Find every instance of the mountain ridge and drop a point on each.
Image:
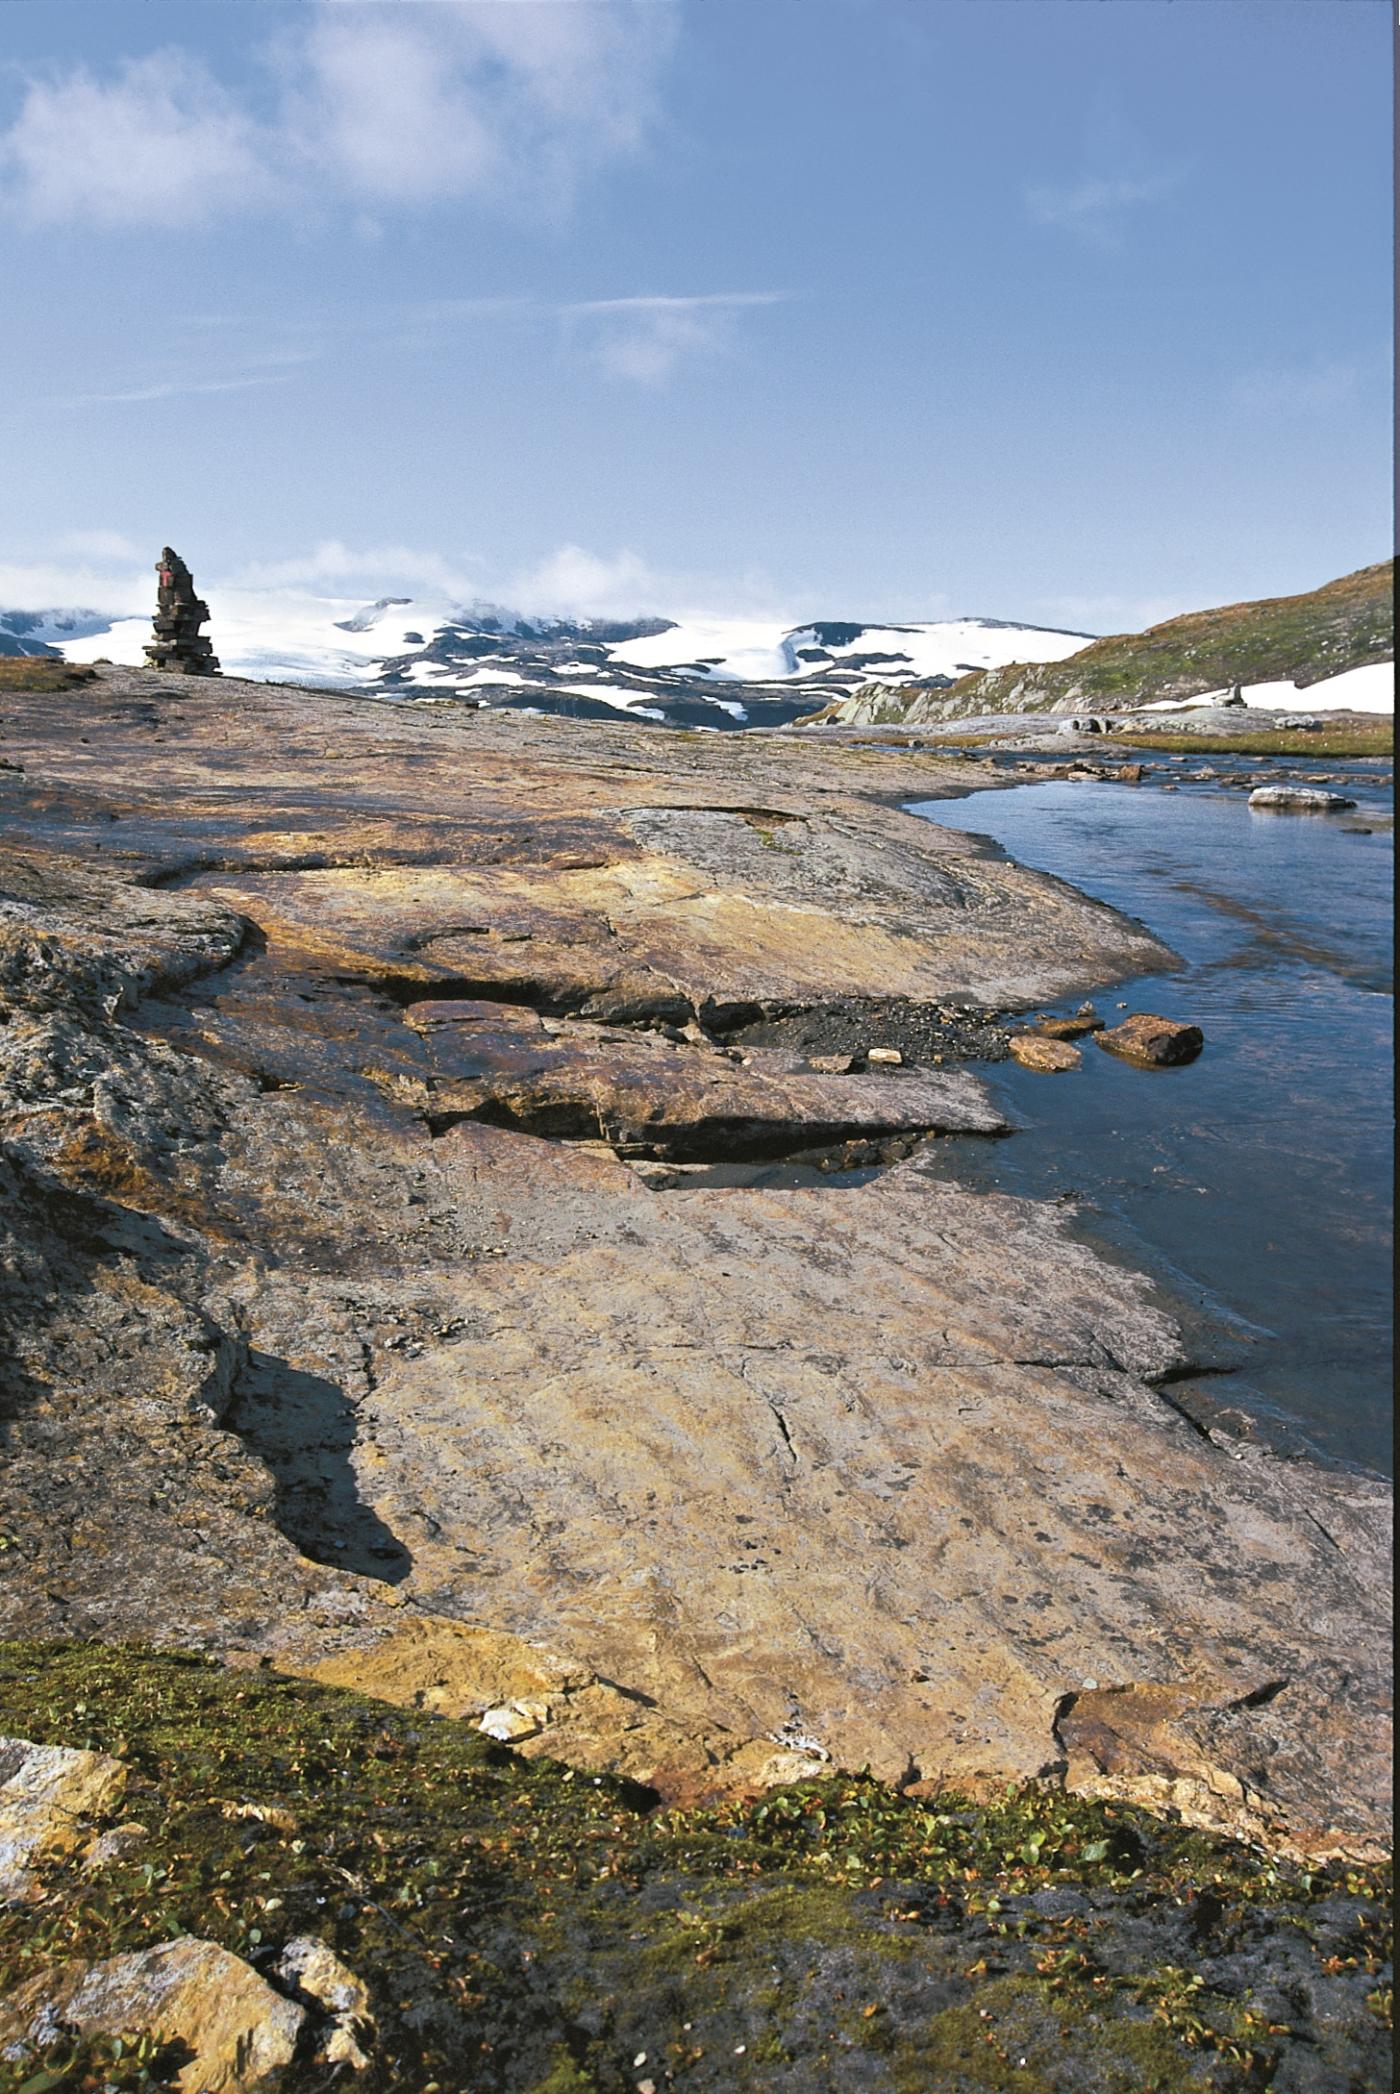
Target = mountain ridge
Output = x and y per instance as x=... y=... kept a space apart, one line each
x=696 y=672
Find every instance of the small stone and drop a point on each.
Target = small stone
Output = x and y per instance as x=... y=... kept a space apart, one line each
x=831 y=1064
x=117 y=1845
x=1151 y=1042
x=889 y=1057
x=512 y=1720
x=1049 y=1056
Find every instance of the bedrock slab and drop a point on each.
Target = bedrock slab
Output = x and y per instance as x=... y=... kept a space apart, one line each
x=317 y=1354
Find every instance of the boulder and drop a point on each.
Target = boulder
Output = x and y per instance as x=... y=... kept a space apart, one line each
x=1151 y=1042
x=193 y=1992
x=48 y=1796
x=1298 y=799
x=1034 y=1051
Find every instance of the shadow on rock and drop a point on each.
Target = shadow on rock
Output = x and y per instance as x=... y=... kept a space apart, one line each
x=302 y=1427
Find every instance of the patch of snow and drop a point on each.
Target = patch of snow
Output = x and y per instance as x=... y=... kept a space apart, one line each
x=1369 y=689
x=481 y=676
x=751 y=651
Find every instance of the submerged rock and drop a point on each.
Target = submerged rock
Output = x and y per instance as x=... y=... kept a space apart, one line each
x=1154 y=1043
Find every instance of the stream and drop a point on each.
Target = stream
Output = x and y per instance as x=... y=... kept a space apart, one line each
x=1256 y=1181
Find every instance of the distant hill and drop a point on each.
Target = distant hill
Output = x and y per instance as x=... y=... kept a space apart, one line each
x=1295 y=639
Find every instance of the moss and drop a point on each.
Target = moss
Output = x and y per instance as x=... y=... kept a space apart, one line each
x=35 y=672
x=525 y=1927
x=1327 y=741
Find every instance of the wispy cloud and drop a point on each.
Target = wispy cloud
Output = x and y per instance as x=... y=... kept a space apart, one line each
x=108 y=571
x=645 y=339
x=380 y=105
x=1097 y=207
x=176 y=389
x=334 y=567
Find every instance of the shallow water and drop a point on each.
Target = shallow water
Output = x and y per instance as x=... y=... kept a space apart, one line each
x=1261 y=1172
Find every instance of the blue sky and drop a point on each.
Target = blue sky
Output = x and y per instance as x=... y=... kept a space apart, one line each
x=1046 y=309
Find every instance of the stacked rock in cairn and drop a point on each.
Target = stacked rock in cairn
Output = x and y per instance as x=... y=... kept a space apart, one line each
x=178 y=642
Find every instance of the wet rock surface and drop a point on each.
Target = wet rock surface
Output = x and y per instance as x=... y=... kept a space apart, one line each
x=1152 y=1042
x=338 y=1317
x=1050 y=1056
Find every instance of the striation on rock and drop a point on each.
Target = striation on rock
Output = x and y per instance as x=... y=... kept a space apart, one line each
x=332 y=1030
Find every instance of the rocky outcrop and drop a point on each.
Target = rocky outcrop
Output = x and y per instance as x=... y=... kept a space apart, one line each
x=346 y=1331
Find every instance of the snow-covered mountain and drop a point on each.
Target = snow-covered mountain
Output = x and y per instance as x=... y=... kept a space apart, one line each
x=699 y=672
x=46 y=632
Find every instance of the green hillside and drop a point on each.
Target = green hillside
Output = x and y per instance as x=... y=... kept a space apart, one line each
x=1303 y=639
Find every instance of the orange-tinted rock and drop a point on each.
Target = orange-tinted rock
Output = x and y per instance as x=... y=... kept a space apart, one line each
x=1048 y=1055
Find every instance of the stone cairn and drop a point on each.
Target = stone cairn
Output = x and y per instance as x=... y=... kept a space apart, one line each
x=178 y=642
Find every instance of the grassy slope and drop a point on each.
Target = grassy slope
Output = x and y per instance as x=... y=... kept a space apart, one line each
x=528 y=1930
x=1303 y=639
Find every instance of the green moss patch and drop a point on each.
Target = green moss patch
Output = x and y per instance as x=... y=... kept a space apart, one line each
x=535 y=1930
x=1377 y=740
x=37 y=672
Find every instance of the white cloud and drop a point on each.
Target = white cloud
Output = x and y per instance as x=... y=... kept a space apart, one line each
x=376 y=570
x=380 y=104
x=66 y=584
x=644 y=339
x=160 y=143
x=1096 y=207
x=104 y=570
x=575 y=583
